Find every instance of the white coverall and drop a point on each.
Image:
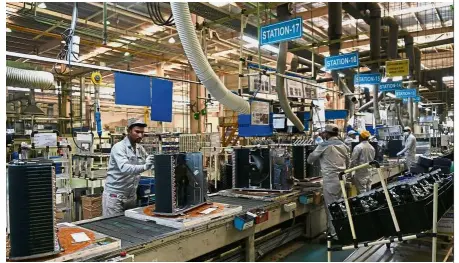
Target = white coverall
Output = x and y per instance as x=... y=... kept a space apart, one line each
x=348 y=141
x=409 y=151
x=333 y=155
x=362 y=153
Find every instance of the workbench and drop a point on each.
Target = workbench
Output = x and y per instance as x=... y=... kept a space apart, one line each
x=148 y=241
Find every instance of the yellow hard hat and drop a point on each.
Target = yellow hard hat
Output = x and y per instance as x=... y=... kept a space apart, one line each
x=365 y=134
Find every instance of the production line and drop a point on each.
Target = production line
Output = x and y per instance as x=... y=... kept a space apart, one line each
x=229 y=132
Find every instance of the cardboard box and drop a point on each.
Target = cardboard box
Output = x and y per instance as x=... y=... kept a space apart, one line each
x=92 y=206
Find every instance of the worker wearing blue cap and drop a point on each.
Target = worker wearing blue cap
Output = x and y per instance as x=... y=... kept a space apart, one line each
x=351 y=137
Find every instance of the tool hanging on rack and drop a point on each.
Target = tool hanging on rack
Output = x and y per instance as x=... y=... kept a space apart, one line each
x=96 y=79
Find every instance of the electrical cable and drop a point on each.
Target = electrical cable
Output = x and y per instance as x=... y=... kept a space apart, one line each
x=154 y=11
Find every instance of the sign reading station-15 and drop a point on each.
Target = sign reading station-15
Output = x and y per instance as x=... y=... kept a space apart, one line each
x=367 y=79
x=406 y=93
x=282 y=31
x=350 y=60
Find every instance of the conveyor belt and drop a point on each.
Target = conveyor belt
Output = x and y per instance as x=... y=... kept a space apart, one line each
x=133 y=232
x=130 y=231
x=246 y=203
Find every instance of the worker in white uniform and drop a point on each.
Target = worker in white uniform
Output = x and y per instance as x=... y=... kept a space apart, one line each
x=410 y=148
x=351 y=137
x=362 y=153
x=127 y=161
x=333 y=155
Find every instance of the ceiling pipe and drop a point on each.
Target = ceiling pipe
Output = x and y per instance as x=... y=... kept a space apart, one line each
x=335 y=25
x=199 y=62
x=283 y=13
x=375 y=48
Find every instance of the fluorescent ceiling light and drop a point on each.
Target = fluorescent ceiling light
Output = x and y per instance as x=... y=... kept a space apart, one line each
x=391 y=95
x=8 y=30
x=151 y=30
x=130 y=38
x=115 y=44
x=448 y=78
x=219 y=4
x=42 y=5
x=254 y=43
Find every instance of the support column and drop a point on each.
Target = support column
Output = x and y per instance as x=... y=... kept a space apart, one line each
x=194 y=124
x=250 y=248
x=160 y=73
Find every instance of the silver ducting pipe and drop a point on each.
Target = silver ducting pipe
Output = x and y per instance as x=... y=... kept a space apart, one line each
x=23 y=78
x=280 y=81
x=199 y=62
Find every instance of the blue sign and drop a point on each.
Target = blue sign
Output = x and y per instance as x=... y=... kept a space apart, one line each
x=367 y=79
x=391 y=86
x=415 y=99
x=282 y=31
x=405 y=93
x=350 y=60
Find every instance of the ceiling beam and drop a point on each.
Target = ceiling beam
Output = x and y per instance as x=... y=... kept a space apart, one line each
x=353 y=43
x=313 y=13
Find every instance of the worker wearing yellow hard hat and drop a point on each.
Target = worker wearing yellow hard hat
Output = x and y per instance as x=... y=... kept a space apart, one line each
x=362 y=153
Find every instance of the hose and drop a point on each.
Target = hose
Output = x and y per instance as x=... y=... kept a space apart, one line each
x=23 y=78
x=199 y=62
x=281 y=93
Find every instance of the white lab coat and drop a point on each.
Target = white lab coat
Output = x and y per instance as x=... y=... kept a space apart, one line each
x=409 y=151
x=333 y=155
x=362 y=153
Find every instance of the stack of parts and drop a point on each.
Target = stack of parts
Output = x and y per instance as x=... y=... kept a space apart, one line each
x=32 y=210
x=92 y=206
x=412 y=202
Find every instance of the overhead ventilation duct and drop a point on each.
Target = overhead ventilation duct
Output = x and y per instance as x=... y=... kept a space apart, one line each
x=283 y=14
x=23 y=78
x=31 y=79
x=335 y=21
x=199 y=62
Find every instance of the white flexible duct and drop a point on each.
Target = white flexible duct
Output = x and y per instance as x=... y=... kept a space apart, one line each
x=23 y=78
x=199 y=62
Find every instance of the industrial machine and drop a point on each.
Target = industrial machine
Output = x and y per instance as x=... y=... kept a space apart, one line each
x=261 y=168
x=182 y=185
x=301 y=168
x=87 y=163
x=31 y=203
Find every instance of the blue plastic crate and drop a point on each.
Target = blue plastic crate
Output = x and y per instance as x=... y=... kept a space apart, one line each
x=243 y=222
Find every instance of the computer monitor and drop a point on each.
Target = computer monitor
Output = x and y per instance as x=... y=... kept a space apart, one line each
x=279 y=121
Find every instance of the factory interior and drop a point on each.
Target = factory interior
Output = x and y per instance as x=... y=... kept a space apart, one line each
x=229 y=131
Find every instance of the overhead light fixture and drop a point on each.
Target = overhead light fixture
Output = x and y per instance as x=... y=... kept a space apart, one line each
x=219 y=4
x=42 y=5
x=62 y=41
x=171 y=40
x=254 y=43
x=448 y=78
x=108 y=22
x=8 y=30
x=127 y=54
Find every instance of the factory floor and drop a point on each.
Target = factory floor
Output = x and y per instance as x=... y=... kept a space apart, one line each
x=303 y=251
x=307 y=251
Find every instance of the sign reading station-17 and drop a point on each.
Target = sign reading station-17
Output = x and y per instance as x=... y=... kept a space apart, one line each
x=282 y=31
